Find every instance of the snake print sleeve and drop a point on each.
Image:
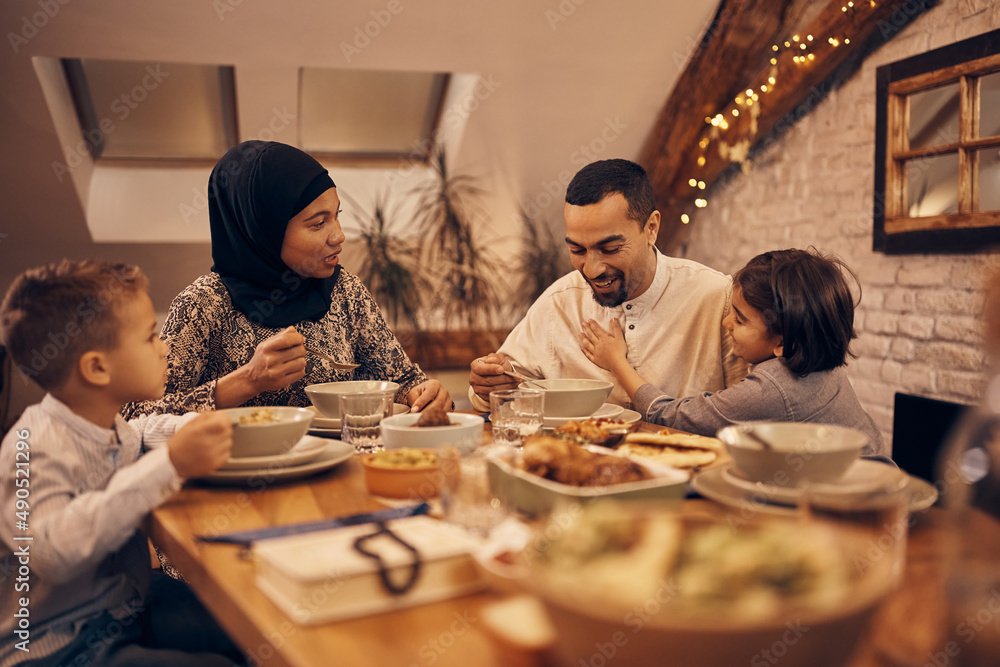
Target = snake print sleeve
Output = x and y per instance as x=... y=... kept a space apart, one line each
x=208 y=339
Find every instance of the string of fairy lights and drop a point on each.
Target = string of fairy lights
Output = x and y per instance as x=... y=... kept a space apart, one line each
x=748 y=103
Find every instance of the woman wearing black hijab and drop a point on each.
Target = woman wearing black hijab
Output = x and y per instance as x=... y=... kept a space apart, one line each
x=237 y=336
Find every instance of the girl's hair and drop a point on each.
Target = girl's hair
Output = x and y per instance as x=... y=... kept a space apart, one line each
x=804 y=298
x=55 y=313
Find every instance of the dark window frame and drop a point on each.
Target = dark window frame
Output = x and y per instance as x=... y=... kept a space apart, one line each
x=969 y=230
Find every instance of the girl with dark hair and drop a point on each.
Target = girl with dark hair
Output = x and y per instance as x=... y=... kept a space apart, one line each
x=792 y=318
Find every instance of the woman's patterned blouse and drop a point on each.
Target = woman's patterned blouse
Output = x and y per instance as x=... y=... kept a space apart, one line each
x=208 y=338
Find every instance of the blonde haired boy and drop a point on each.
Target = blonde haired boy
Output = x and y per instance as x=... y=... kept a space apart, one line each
x=76 y=479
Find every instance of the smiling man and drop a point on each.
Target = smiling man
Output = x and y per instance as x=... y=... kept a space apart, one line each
x=670 y=309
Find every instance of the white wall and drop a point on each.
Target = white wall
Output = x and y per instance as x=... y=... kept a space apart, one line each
x=566 y=81
x=919 y=319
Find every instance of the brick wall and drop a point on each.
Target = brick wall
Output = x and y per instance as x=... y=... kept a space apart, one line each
x=920 y=316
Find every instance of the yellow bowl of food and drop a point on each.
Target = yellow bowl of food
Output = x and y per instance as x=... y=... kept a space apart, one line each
x=403 y=473
x=267 y=431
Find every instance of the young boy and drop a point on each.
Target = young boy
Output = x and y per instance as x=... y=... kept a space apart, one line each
x=75 y=569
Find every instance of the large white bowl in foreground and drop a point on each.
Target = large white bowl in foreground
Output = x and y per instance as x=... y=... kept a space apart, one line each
x=465 y=432
x=571 y=398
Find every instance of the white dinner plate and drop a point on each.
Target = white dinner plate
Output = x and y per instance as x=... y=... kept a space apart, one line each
x=629 y=416
x=606 y=411
x=728 y=487
x=335 y=453
x=305 y=450
x=320 y=422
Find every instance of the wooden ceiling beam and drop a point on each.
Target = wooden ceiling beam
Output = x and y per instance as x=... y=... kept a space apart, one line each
x=736 y=56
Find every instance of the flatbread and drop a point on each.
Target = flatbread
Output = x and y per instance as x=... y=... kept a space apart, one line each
x=677 y=440
x=684 y=457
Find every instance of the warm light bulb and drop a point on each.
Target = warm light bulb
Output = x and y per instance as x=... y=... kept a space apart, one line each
x=812 y=56
x=739 y=100
x=707 y=119
x=701 y=161
x=802 y=46
x=795 y=38
x=774 y=47
x=787 y=44
x=703 y=143
x=701 y=185
x=736 y=112
x=763 y=87
x=685 y=219
x=724 y=125
x=692 y=182
x=770 y=80
x=809 y=37
x=715 y=122
x=749 y=92
x=774 y=61
x=755 y=97
x=847 y=41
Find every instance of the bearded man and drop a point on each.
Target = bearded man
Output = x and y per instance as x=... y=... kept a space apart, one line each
x=669 y=309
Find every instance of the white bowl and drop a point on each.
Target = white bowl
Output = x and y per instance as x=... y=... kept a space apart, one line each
x=326 y=395
x=566 y=397
x=465 y=432
x=646 y=611
x=267 y=438
x=799 y=452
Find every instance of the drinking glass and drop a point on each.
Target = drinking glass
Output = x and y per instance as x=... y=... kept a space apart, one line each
x=467 y=500
x=361 y=418
x=871 y=514
x=516 y=414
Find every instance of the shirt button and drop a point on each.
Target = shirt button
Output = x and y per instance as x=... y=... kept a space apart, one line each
x=631 y=326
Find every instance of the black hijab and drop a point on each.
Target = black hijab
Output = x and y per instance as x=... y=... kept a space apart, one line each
x=253 y=192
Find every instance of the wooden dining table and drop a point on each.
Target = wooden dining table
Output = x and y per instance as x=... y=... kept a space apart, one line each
x=908 y=629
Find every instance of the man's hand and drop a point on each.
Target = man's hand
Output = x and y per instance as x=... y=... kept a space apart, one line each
x=487 y=374
x=429 y=394
x=278 y=361
x=202 y=445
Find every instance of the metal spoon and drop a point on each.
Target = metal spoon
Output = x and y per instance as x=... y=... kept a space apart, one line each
x=759 y=440
x=340 y=366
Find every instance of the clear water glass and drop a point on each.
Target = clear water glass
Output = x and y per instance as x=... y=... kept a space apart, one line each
x=516 y=414
x=467 y=498
x=361 y=418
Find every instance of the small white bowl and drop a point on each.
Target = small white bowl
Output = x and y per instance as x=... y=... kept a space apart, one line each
x=569 y=398
x=465 y=432
x=798 y=453
x=267 y=438
x=326 y=395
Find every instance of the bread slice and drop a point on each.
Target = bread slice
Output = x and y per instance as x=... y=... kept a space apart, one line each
x=679 y=440
x=679 y=450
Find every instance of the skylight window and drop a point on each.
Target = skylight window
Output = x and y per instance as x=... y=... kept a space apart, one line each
x=153 y=111
x=360 y=114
